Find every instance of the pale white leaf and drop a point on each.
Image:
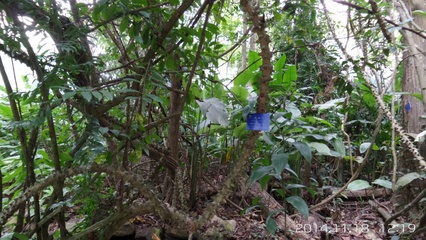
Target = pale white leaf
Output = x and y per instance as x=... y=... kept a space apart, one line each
x=358 y=185
x=215 y=111
x=329 y=104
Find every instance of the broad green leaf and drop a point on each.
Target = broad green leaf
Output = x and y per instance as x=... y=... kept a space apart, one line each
x=279 y=68
x=5 y=111
x=20 y=236
x=267 y=139
x=279 y=191
x=277 y=16
x=254 y=61
x=68 y=95
x=190 y=31
x=155 y=98
x=279 y=162
x=406 y=179
x=320 y=147
x=279 y=65
x=218 y=91
x=240 y=92
x=259 y=172
x=300 y=204
x=87 y=96
x=339 y=146
x=174 y=2
x=292 y=72
x=240 y=131
x=103 y=130
x=271 y=224
x=295 y=111
x=243 y=78
x=97 y=95
x=358 y=185
x=213 y=28
x=125 y=21
x=304 y=149
x=290 y=76
x=107 y=95
x=263 y=182
x=65 y=156
x=383 y=183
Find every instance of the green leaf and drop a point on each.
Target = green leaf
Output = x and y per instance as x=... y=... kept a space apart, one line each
x=420 y=13
x=240 y=131
x=87 y=96
x=300 y=204
x=320 y=147
x=339 y=146
x=266 y=137
x=292 y=72
x=384 y=183
x=20 y=236
x=293 y=109
x=65 y=156
x=218 y=91
x=97 y=95
x=279 y=162
x=279 y=68
x=358 y=185
x=5 y=111
x=155 y=98
x=304 y=149
x=406 y=179
x=243 y=78
x=68 y=95
x=7 y=236
x=213 y=28
x=416 y=95
x=240 y=92
x=107 y=95
x=254 y=61
x=271 y=224
x=259 y=172
x=124 y=24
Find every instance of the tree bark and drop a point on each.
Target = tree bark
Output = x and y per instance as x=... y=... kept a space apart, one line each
x=413 y=82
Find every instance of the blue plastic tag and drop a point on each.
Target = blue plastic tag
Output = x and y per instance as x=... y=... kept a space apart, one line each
x=408 y=106
x=258 y=121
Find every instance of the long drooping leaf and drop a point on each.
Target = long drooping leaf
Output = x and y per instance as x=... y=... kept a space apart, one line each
x=300 y=204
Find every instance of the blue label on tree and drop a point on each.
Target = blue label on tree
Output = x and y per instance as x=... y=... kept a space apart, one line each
x=258 y=121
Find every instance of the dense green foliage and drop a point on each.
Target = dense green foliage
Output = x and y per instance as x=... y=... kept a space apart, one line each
x=152 y=87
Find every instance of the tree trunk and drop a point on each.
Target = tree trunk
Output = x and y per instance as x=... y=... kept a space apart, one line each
x=412 y=108
x=173 y=135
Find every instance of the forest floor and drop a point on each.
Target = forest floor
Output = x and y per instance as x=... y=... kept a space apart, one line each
x=342 y=218
x=349 y=220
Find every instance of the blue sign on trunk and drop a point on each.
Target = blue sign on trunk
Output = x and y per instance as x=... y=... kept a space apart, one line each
x=258 y=121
